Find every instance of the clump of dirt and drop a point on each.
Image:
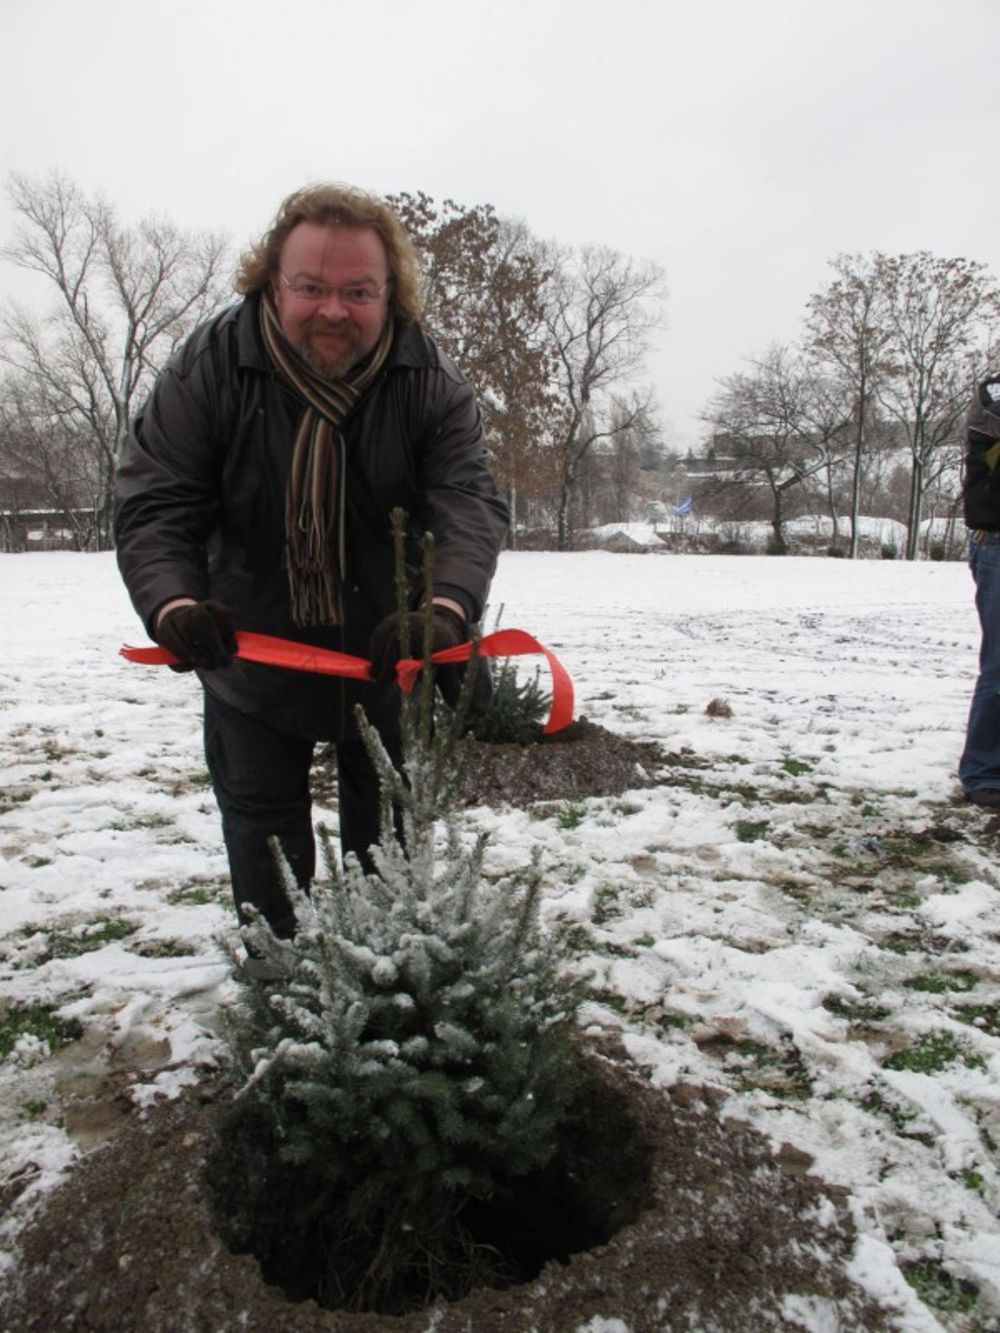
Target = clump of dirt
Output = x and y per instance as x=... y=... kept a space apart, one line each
x=705 y=1230
x=582 y=760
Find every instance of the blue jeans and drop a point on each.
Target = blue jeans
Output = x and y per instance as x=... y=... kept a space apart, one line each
x=980 y=763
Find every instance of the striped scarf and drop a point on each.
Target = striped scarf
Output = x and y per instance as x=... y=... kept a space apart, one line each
x=315 y=556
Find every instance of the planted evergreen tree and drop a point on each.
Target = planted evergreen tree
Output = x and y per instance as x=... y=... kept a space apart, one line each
x=517 y=708
x=415 y=1058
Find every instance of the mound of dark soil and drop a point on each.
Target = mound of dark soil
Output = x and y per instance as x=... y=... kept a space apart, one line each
x=582 y=760
x=708 y=1232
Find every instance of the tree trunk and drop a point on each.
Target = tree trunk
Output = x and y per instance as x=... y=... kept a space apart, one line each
x=778 y=520
x=859 y=456
x=914 y=509
x=562 y=523
x=512 y=529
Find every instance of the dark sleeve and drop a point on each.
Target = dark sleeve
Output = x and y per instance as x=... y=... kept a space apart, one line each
x=167 y=489
x=461 y=505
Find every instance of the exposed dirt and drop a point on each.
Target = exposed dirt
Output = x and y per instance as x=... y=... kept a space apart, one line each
x=716 y=1234
x=581 y=760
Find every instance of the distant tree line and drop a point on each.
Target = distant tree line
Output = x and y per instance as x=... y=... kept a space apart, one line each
x=861 y=415
x=553 y=338
x=864 y=415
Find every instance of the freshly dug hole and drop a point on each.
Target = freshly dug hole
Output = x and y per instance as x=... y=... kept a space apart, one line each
x=309 y=1244
x=723 y=1240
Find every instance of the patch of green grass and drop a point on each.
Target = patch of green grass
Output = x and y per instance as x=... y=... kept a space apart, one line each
x=972 y=1180
x=746 y=791
x=801 y=893
x=758 y=1067
x=90 y=937
x=736 y=759
x=605 y=905
x=571 y=815
x=31 y=1109
x=163 y=949
x=578 y=940
x=940 y=983
x=856 y=1011
x=985 y=1017
x=904 y=898
x=914 y=941
x=626 y=808
x=795 y=767
x=193 y=780
x=685 y=757
x=9 y=799
x=628 y=710
x=752 y=830
x=905 y=848
x=197 y=895
x=932 y=1053
x=937 y=1288
x=35 y=1020
x=673 y=1022
x=144 y=822
x=611 y=1000
x=876 y=1104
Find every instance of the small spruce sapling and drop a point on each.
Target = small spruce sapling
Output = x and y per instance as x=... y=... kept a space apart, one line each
x=418 y=1055
x=517 y=709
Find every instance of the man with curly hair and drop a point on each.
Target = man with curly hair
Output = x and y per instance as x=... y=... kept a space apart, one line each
x=255 y=493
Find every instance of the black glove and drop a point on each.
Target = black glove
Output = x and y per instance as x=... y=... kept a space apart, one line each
x=448 y=629
x=200 y=634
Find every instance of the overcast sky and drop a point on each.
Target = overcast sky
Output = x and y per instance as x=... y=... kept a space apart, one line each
x=741 y=144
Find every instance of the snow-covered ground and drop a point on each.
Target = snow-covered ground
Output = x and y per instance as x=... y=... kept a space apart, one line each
x=805 y=918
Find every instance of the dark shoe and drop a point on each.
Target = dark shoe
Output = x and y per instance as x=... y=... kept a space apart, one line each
x=987 y=797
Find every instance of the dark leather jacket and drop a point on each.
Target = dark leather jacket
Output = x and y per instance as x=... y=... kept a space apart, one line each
x=981 y=485
x=200 y=505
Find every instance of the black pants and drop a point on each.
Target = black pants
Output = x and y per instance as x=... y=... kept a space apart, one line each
x=261 y=781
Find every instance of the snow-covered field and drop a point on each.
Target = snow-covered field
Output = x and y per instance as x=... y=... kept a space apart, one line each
x=805 y=918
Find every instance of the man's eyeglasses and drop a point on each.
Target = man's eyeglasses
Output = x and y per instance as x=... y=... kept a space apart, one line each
x=353 y=293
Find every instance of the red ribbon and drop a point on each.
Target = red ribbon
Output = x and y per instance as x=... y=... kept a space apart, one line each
x=302 y=657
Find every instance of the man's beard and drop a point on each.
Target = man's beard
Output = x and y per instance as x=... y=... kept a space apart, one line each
x=332 y=368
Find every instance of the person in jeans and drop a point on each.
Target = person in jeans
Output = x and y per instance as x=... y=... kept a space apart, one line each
x=979 y=767
x=256 y=491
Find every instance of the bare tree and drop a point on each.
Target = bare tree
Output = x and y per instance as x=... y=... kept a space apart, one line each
x=601 y=308
x=777 y=427
x=847 y=329
x=125 y=297
x=44 y=463
x=940 y=314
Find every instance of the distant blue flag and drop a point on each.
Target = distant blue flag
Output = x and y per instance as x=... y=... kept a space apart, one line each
x=683 y=508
